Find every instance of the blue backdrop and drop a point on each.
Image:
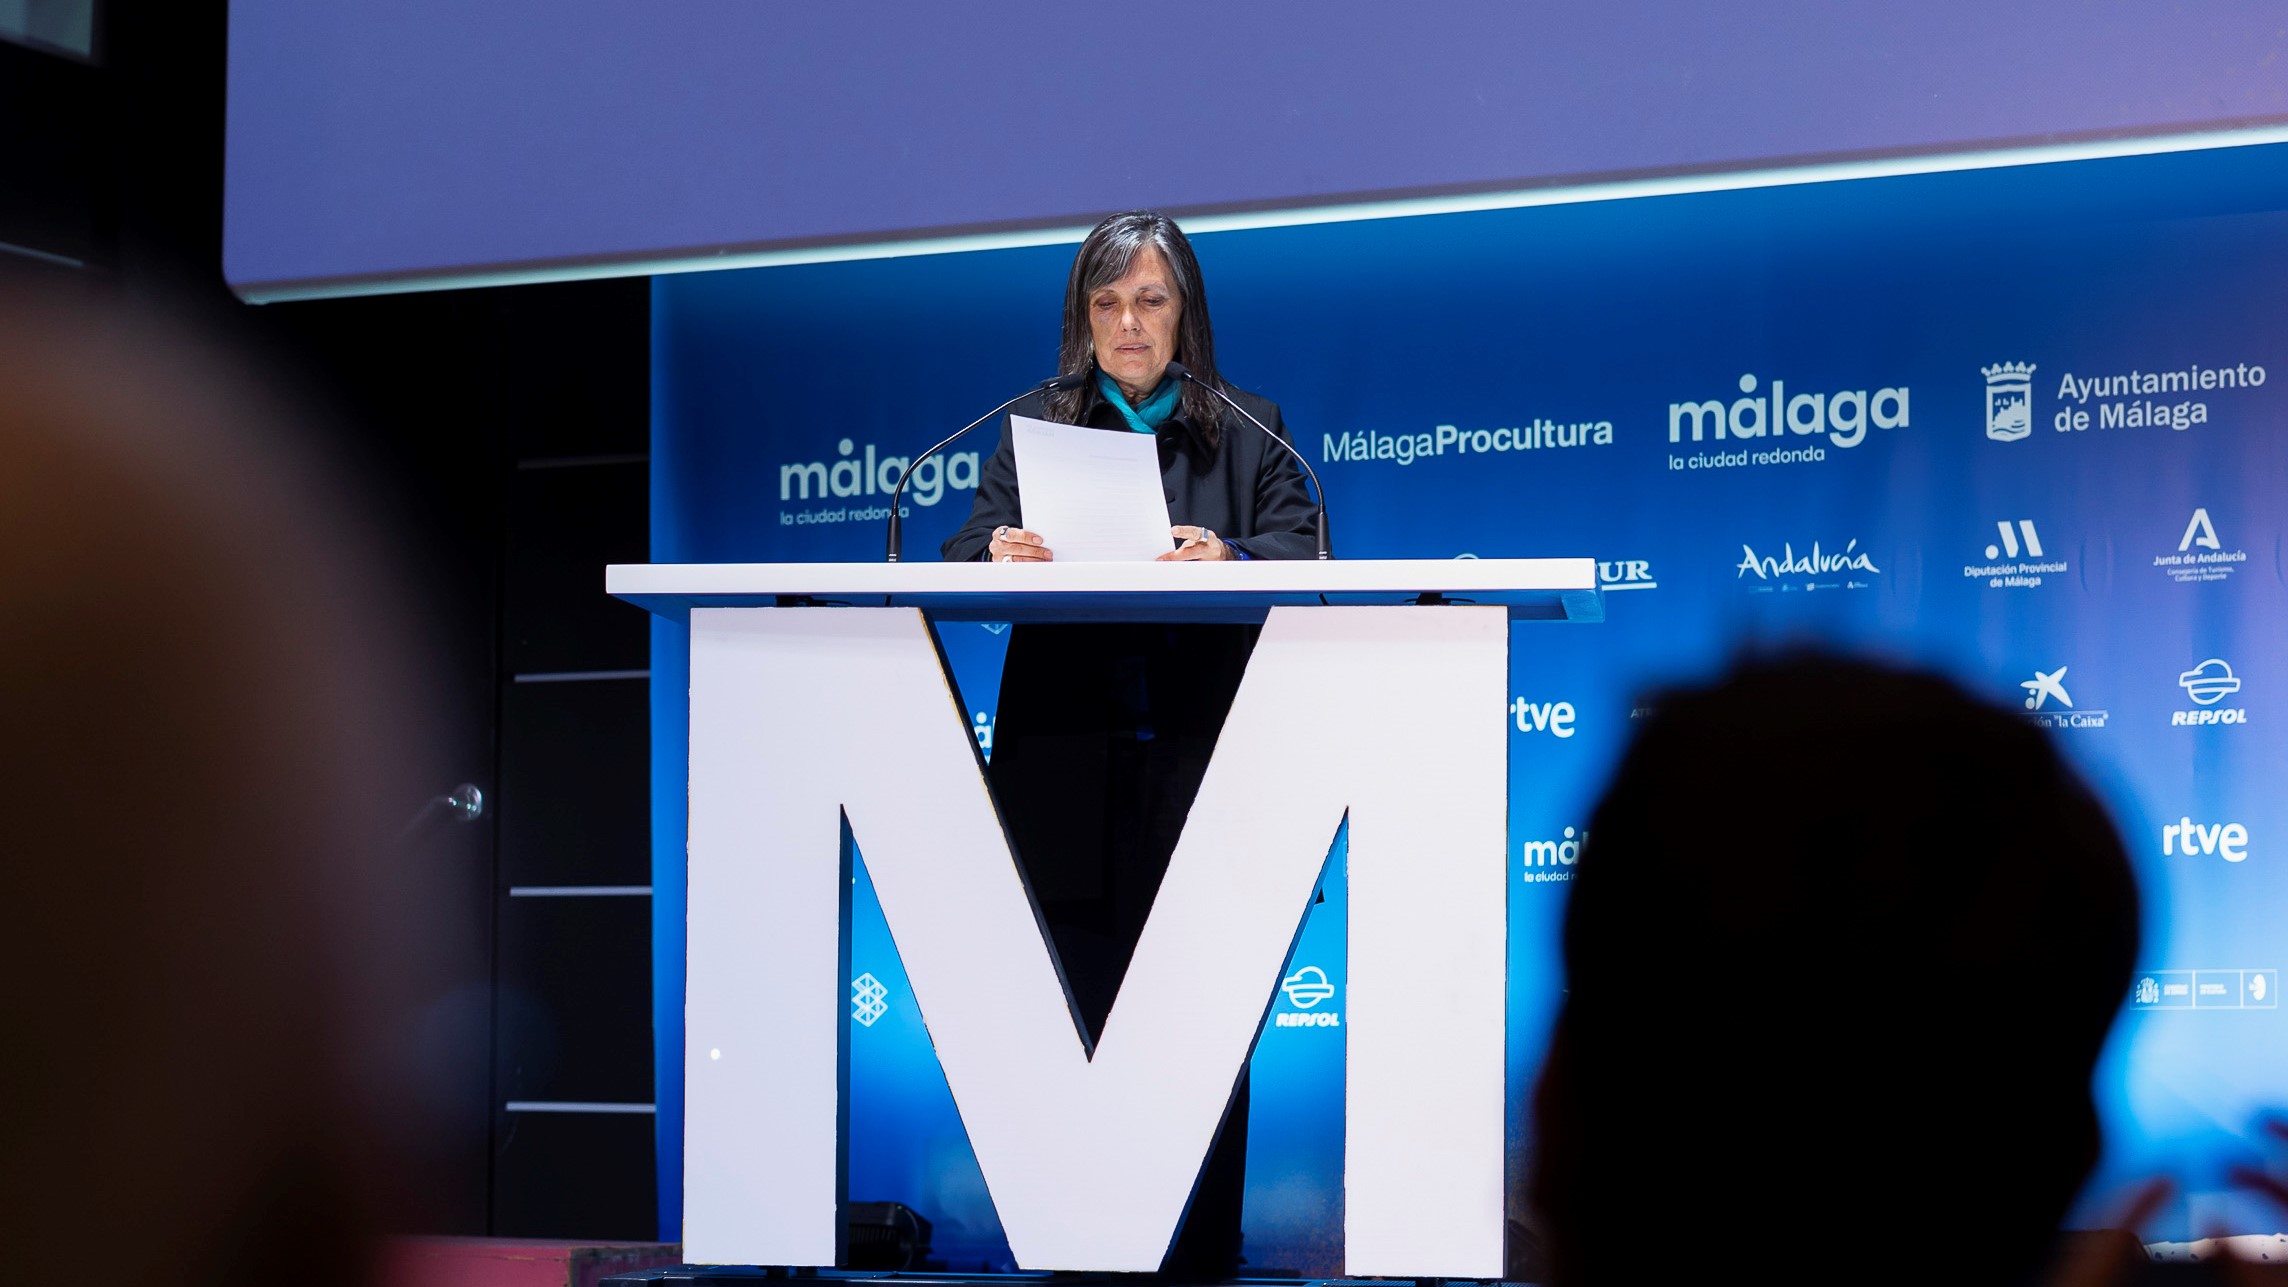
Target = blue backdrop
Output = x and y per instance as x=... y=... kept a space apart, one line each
x=2020 y=425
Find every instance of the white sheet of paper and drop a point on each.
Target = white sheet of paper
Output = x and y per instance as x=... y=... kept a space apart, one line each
x=1093 y=495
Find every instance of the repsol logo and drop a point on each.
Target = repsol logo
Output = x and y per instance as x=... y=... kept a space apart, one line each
x=1843 y=417
x=1290 y=1019
x=2198 y=719
x=869 y=475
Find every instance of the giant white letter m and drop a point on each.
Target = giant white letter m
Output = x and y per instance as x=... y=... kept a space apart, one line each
x=1391 y=716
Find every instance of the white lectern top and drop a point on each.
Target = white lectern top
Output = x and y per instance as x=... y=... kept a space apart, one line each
x=1532 y=589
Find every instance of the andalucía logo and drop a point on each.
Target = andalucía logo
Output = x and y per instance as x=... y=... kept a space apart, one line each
x=1820 y=568
x=2200 y=555
x=2208 y=684
x=2004 y=569
x=2050 y=705
x=2009 y=401
x=1306 y=989
x=1816 y=421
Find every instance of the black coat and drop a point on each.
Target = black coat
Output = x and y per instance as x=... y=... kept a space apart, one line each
x=1246 y=490
x=1104 y=733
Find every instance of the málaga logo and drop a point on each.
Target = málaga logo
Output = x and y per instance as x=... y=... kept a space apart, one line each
x=853 y=475
x=1819 y=568
x=1817 y=420
x=1551 y=861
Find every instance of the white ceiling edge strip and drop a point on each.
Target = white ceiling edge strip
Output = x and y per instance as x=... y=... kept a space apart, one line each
x=1201 y=224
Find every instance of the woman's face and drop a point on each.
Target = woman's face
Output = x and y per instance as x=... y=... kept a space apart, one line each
x=1133 y=322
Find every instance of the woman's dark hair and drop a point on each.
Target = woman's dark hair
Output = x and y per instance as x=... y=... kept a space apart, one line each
x=1105 y=257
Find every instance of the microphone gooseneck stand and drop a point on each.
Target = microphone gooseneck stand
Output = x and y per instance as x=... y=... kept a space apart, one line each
x=1178 y=370
x=897 y=525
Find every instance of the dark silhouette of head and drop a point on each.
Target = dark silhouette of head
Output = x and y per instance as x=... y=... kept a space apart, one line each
x=208 y=731
x=1842 y=949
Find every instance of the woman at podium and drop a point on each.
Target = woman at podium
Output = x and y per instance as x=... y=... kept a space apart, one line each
x=1134 y=302
x=1104 y=730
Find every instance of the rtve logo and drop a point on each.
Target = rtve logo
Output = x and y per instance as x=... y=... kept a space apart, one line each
x=1533 y=717
x=2228 y=840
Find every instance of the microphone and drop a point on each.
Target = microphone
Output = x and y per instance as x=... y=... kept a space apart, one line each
x=1177 y=370
x=897 y=526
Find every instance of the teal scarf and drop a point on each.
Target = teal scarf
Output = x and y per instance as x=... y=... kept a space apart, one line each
x=1156 y=409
